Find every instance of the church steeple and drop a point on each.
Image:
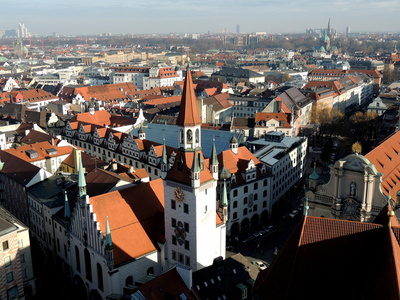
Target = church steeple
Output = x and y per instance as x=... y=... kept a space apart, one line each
x=188 y=120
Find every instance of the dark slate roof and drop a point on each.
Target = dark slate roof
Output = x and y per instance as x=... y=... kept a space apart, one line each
x=157 y=133
x=238 y=72
x=51 y=191
x=224 y=279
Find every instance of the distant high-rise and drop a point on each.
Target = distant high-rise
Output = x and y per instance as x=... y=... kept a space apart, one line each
x=22 y=31
x=348 y=30
x=237 y=28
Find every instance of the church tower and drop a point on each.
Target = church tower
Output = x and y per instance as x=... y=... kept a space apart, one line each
x=194 y=232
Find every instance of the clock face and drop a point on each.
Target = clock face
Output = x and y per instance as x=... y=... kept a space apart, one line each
x=179 y=195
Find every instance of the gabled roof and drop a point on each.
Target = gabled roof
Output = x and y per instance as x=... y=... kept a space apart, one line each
x=168 y=285
x=322 y=250
x=262 y=116
x=39 y=151
x=136 y=218
x=100 y=181
x=35 y=136
x=17 y=169
x=221 y=280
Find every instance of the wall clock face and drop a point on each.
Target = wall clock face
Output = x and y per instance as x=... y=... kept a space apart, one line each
x=179 y=195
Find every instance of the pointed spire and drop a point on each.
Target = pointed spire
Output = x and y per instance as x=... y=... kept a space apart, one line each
x=81 y=179
x=188 y=112
x=224 y=196
x=214 y=159
x=164 y=159
x=67 y=211
x=109 y=243
x=195 y=166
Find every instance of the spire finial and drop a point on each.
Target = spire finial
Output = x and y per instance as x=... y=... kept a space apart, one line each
x=109 y=243
x=67 y=211
x=306 y=208
x=81 y=178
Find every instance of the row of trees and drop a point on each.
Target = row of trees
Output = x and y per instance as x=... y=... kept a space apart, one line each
x=360 y=127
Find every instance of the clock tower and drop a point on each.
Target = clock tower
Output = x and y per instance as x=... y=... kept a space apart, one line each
x=194 y=232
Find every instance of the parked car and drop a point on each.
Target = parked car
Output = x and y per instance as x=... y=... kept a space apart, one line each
x=259 y=264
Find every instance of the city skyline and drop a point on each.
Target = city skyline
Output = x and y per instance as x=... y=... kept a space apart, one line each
x=74 y=17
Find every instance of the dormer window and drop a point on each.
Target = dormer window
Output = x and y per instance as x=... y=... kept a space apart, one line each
x=233 y=178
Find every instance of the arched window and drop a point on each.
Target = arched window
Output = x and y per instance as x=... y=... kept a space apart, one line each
x=100 y=277
x=197 y=135
x=235 y=193
x=150 y=271
x=88 y=265
x=181 y=136
x=189 y=136
x=78 y=261
x=129 y=281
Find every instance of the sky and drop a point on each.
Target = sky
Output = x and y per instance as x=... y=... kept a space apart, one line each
x=80 y=17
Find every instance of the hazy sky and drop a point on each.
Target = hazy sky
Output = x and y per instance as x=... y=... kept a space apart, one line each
x=198 y=16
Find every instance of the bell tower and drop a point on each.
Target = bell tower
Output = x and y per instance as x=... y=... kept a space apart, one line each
x=195 y=234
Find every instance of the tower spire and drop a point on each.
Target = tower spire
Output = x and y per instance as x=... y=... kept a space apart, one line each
x=81 y=179
x=188 y=112
x=224 y=202
x=67 y=211
x=109 y=247
x=214 y=162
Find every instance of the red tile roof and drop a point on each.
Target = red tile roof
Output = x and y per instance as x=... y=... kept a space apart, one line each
x=136 y=218
x=386 y=158
x=322 y=251
x=188 y=113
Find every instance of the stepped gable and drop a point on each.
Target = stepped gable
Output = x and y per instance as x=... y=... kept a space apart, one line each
x=321 y=250
x=137 y=212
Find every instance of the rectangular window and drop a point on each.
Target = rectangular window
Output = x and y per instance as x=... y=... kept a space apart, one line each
x=174 y=240
x=5 y=245
x=186 y=208
x=187 y=258
x=186 y=226
x=9 y=276
x=24 y=273
x=7 y=261
x=187 y=247
x=173 y=204
x=173 y=222
x=173 y=255
x=180 y=257
x=22 y=258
